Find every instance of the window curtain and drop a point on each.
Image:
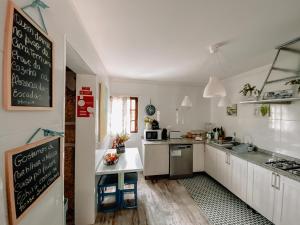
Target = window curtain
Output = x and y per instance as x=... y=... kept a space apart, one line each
x=120 y=115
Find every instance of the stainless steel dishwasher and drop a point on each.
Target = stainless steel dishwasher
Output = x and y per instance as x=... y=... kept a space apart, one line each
x=181 y=160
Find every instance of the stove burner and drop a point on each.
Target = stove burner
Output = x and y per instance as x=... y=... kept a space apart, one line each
x=295 y=171
x=284 y=164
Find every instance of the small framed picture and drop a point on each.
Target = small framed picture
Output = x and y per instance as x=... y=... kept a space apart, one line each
x=232 y=110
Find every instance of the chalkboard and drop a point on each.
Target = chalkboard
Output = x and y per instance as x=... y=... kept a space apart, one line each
x=28 y=64
x=30 y=170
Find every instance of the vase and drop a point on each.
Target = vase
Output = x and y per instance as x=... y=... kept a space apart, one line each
x=148 y=126
x=120 y=148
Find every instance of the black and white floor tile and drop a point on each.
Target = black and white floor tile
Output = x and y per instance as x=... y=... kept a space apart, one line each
x=220 y=205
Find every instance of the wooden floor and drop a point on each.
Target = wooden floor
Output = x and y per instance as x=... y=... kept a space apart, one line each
x=161 y=202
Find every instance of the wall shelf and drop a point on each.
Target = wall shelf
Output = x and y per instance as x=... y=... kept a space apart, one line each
x=271 y=101
x=291 y=46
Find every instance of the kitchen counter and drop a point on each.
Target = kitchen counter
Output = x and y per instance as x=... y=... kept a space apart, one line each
x=260 y=157
x=173 y=141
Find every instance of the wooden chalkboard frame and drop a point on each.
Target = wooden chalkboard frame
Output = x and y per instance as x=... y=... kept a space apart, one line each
x=7 y=104
x=13 y=220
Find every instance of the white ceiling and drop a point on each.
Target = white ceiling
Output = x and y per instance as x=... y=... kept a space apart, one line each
x=167 y=40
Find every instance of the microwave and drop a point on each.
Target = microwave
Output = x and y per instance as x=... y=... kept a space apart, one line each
x=152 y=135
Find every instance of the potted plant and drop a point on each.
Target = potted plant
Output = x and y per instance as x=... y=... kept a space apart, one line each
x=250 y=91
x=296 y=86
x=119 y=142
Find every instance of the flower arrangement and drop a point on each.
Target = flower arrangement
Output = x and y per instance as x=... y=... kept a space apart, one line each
x=120 y=139
x=248 y=90
x=148 y=122
x=148 y=119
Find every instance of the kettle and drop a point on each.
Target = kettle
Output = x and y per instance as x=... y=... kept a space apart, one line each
x=164 y=134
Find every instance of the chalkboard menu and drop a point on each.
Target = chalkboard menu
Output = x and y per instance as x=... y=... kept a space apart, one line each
x=30 y=171
x=28 y=64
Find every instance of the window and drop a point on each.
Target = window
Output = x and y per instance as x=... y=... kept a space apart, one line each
x=124 y=115
x=133 y=114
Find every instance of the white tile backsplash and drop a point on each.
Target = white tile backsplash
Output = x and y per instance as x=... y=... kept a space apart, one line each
x=279 y=133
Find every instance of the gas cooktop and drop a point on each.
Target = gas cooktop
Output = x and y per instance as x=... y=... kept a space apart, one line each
x=286 y=165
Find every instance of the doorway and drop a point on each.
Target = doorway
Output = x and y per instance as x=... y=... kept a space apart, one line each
x=75 y=68
x=70 y=128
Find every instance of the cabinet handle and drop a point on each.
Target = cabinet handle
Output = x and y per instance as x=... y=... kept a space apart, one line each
x=273 y=180
x=278 y=186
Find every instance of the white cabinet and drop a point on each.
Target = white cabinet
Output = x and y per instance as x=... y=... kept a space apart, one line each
x=287 y=201
x=210 y=163
x=261 y=190
x=274 y=196
x=156 y=159
x=198 y=157
x=223 y=171
x=239 y=174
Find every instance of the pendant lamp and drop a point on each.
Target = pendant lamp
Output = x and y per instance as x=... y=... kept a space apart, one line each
x=186 y=102
x=214 y=87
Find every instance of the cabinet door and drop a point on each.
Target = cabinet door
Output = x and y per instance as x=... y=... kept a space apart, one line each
x=156 y=160
x=263 y=192
x=287 y=202
x=210 y=160
x=239 y=169
x=198 y=157
x=223 y=168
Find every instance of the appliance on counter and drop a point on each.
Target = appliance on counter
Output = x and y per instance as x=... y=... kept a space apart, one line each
x=153 y=135
x=181 y=160
x=164 y=134
x=286 y=165
x=155 y=125
x=175 y=134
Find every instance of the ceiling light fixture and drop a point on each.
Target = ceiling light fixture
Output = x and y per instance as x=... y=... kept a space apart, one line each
x=186 y=102
x=215 y=87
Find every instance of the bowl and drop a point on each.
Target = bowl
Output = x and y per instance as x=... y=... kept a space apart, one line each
x=111 y=159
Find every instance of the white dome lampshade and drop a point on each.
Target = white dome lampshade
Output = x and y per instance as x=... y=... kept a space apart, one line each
x=224 y=102
x=214 y=88
x=186 y=102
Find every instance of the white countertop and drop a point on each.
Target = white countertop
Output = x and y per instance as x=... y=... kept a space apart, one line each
x=130 y=161
x=173 y=141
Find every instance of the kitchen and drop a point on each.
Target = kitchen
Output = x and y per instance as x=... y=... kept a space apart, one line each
x=252 y=171
x=150 y=112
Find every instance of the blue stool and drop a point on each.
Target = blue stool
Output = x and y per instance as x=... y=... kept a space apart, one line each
x=129 y=179
x=105 y=182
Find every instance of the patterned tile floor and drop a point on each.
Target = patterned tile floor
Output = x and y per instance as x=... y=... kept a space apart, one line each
x=220 y=205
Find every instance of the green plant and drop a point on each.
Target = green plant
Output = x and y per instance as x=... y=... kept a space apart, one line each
x=265 y=110
x=294 y=82
x=248 y=90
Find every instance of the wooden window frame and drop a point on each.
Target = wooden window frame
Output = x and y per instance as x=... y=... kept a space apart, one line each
x=135 y=130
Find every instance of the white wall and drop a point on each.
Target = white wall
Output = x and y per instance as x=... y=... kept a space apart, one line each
x=278 y=133
x=166 y=98
x=16 y=127
x=84 y=159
